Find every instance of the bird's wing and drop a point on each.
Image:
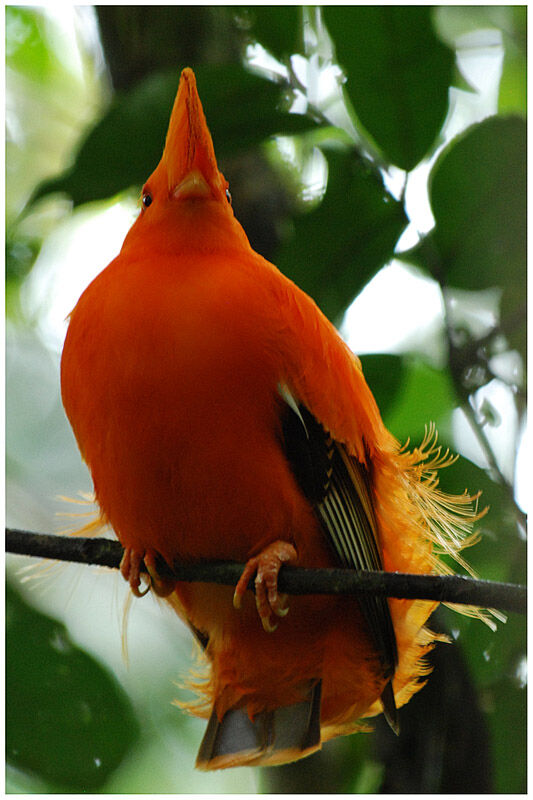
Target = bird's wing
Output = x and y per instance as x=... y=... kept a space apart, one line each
x=338 y=487
x=333 y=428
x=320 y=370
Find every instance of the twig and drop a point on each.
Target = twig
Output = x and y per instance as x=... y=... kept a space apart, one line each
x=457 y=366
x=456 y=362
x=443 y=588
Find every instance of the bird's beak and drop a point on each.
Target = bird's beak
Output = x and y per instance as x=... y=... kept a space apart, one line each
x=189 y=156
x=193 y=185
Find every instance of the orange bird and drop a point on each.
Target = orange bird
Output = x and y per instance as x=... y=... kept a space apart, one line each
x=222 y=417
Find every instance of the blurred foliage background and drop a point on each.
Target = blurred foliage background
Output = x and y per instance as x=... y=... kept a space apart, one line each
x=377 y=156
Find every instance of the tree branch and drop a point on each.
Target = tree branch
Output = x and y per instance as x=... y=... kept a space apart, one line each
x=443 y=588
x=462 y=357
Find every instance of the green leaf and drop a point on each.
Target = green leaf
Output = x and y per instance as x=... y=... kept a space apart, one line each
x=126 y=144
x=493 y=660
x=499 y=554
x=67 y=719
x=453 y=22
x=494 y=657
x=27 y=49
x=509 y=732
x=384 y=374
x=426 y=395
x=277 y=28
x=478 y=195
x=513 y=83
x=338 y=246
x=398 y=75
x=513 y=311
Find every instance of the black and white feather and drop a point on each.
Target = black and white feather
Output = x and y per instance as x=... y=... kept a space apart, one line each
x=338 y=487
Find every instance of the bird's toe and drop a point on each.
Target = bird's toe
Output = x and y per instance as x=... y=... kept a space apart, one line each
x=130 y=569
x=266 y=566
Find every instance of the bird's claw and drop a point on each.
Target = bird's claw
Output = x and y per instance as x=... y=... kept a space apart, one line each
x=161 y=586
x=130 y=569
x=266 y=567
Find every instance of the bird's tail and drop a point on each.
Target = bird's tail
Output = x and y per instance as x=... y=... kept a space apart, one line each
x=273 y=737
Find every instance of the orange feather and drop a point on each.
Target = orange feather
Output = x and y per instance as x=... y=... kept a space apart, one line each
x=192 y=373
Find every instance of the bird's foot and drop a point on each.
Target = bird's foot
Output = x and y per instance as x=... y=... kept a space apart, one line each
x=130 y=569
x=266 y=566
x=161 y=586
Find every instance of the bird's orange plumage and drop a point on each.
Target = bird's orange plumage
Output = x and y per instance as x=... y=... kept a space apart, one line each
x=172 y=376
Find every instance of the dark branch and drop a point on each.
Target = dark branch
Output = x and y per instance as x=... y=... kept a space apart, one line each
x=443 y=588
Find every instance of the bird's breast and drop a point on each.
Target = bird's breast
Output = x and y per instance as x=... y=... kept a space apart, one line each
x=170 y=384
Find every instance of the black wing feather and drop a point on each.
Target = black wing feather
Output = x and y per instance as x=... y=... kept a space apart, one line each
x=338 y=487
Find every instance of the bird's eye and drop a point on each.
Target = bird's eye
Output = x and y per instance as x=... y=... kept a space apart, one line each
x=147 y=199
x=228 y=196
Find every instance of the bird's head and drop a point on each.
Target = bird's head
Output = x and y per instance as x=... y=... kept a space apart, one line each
x=187 y=196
